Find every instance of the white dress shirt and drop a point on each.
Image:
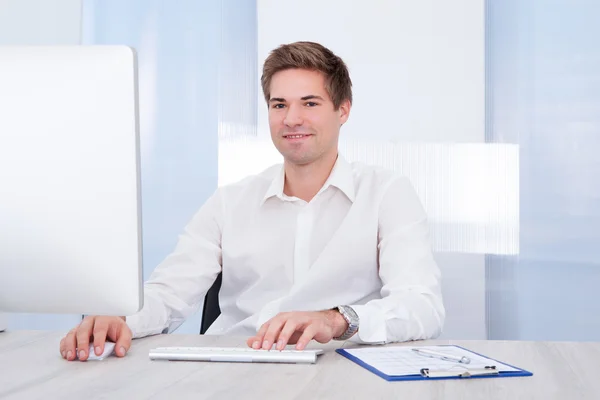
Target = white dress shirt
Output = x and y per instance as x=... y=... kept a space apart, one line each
x=361 y=241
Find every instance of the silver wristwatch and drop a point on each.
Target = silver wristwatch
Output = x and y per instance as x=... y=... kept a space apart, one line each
x=352 y=319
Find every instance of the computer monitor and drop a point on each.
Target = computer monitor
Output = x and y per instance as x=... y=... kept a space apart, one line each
x=70 y=223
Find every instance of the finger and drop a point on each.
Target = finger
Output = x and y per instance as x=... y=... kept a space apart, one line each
x=61 y=348
x=286 y=333
x=100 y=332
x=123 y=343
x=256 y=341
x=309 y=333
x=83 y=338
x=295 y=337
x=250 y=341
x=273 y=332
x=70 y=344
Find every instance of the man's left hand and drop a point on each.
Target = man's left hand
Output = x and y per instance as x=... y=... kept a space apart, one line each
x=299 y=328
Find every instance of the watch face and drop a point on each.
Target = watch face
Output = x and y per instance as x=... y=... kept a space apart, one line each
x=353 y=320
x=350 y=314
x=353 y=313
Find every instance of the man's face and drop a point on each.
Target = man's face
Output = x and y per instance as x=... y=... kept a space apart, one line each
x=304 y=124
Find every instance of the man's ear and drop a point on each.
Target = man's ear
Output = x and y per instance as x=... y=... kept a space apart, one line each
x=344 y=111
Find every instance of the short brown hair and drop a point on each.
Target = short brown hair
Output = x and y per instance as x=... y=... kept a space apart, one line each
x=311 y=56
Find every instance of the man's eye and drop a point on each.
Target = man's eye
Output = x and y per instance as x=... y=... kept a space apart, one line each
x=278 y=105
x=311 y=104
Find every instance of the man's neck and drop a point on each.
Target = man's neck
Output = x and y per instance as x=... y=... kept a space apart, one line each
x=305 y=181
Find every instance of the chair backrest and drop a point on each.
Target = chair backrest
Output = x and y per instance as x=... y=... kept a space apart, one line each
x=211 y=309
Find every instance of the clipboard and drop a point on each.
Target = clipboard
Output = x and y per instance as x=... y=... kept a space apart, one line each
x=415 y=366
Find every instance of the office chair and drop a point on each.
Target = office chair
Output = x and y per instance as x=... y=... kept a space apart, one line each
x=211 y=309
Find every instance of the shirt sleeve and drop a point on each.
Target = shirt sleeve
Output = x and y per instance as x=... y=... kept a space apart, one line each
x=411 y=307
x=177 y=286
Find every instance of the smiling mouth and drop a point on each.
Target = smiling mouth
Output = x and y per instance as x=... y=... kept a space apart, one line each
x=297 y=136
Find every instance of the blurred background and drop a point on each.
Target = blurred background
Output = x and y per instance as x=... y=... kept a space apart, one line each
x=491 y=108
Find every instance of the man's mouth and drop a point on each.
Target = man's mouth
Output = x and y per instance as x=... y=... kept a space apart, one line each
x=297 y=136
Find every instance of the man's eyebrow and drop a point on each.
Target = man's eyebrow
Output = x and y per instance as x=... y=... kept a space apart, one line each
x=311 y=97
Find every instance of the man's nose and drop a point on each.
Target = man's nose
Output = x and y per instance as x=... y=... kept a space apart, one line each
x=293 y=117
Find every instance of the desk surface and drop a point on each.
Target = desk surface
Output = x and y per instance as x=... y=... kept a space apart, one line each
x=31 y=368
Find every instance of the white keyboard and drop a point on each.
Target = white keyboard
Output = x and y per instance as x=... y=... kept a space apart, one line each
x=234 y=354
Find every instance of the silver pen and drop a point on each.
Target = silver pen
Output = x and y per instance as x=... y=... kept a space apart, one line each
x=442 y=356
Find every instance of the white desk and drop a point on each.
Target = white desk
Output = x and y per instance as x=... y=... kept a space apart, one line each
x=31 y=368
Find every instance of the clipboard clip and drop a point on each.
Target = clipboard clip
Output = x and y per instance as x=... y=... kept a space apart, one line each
x=459 y=371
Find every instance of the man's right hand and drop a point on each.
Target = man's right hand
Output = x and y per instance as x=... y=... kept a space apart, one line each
x=96 y=330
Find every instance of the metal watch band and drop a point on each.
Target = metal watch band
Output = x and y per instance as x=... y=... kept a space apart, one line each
x=352 y=319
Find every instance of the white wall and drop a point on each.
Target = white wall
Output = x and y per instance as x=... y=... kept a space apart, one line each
x=417 y=66
x=418 y=80
x=40 y=22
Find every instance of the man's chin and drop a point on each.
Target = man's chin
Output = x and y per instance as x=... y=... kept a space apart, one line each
x=298 y=160
x=298 y=163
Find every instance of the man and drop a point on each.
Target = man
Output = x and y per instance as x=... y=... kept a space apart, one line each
x=316 y=248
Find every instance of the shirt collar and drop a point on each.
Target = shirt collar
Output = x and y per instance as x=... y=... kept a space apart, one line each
x=341 y=177
x=276 y=186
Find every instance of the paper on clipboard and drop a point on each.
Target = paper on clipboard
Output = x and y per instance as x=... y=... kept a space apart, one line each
x=403 y=361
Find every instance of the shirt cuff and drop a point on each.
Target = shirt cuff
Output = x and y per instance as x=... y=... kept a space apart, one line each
x=371 y=326
x=144 y=323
